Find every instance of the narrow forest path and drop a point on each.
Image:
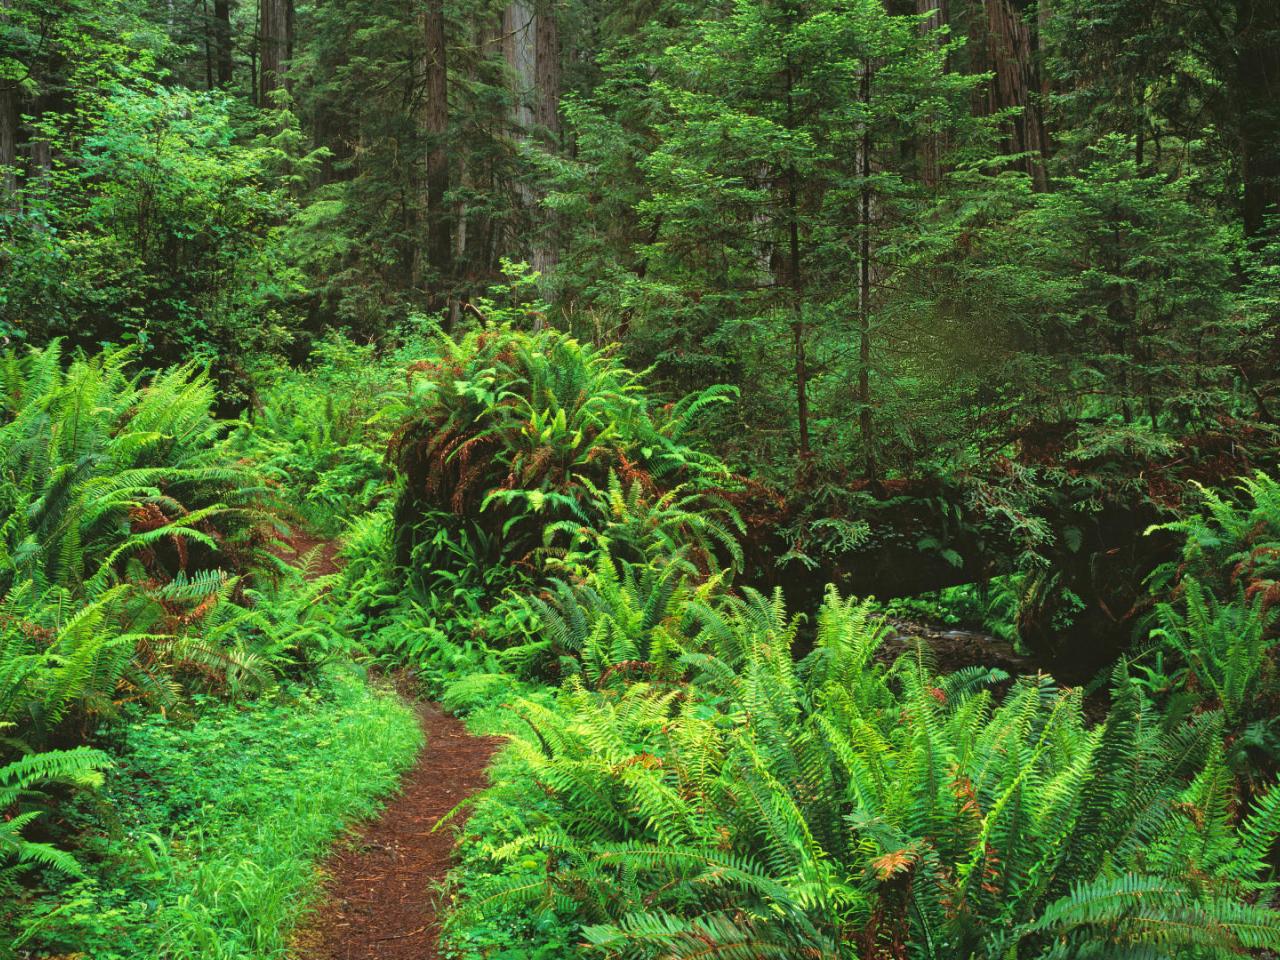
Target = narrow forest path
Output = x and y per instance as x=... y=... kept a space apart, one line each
x=380 y=900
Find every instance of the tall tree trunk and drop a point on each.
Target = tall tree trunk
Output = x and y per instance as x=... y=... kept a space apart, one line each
x=519 y=49
x=1011 y=54
x=435 y=116
x=253 y=53
x=1258 y=90
x=222 y=41
x=519 y=46
x=275 y=43
x=531 y=46
x=207 y=24
x=933 y=145
x=459 y=239
x=547 y=117
x=866 y=423
x=9 y=118
x=547 y=72
x=8 y=142
x=799 y=328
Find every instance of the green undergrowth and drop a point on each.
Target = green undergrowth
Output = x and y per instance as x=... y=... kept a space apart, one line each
x=319 y=433
x=679 y=783
x=991 y=608
x=204 y=841
x=783 y=809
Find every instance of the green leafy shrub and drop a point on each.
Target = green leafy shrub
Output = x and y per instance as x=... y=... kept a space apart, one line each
x=158 y=225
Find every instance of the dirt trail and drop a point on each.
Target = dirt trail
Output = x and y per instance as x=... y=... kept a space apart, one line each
x=380 y=901
x=300 y=546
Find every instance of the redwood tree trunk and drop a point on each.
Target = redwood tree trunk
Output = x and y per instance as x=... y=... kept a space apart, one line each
x=275 y=42
x=222 y=41
x=933 y=145
x=1258 y=87
x=547 y=72
x=1011 y=56
x=8 y=142
x=866 y=423
x=547 y=117
x=9 y=118
x=799 y=327
x=435 y=126
x=519 y=46
x=531 y=45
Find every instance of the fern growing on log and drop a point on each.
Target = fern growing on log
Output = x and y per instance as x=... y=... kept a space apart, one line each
x=537 y=450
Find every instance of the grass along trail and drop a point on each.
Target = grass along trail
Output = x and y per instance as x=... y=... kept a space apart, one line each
x=380 y=900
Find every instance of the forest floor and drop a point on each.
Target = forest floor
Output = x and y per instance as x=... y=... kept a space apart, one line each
x=302 y=547
x=380 y=901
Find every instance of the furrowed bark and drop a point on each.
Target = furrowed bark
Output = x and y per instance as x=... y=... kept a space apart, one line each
x=1011 y=54
x=1258 y=86
x=274 y=43
x=222 y=41
x=435 y=116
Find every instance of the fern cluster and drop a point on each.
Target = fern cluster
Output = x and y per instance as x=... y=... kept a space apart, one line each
x=23 y=786
x=134 y=563
x=1231 y=541
x=129 y=527
x=319 y=434
x=528 y=451
x=1212 y=634
x=694 y=790
x=746 y=805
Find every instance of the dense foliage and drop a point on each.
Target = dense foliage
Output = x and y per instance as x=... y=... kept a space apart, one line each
x=138 y=577
x=521 y=449
x=696 y=784
x=593 y=365
x=133 y=567
x=697 y=779
x=836 y=808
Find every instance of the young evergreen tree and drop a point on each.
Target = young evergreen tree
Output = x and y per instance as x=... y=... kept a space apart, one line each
x=1188 y=83
x=775 y=186
x=1134 y=283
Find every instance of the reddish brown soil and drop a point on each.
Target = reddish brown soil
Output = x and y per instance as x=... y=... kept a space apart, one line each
x=300 y=545
x=380 y=901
